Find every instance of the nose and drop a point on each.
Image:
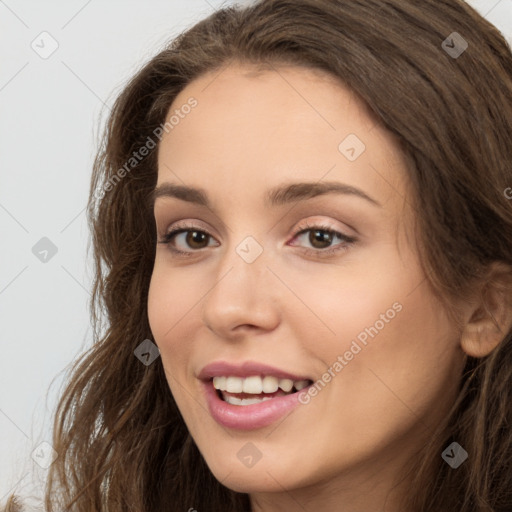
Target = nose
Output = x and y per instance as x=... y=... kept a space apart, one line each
x=244 y=296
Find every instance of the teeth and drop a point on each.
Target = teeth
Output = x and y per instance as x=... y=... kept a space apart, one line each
x=270 y=384
x=300 y=384
x=234 y=384
x=252 y=385
x=233 y=400
x=219 y=382
x=256 y=385
x=286 y=385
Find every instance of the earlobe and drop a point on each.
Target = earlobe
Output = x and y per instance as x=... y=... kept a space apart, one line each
x=481 y=338
x=491 y=317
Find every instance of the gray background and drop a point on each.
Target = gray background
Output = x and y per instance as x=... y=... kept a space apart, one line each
x=51 y=111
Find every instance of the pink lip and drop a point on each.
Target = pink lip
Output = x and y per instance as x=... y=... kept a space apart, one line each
x=246 y=369
x=249 y=417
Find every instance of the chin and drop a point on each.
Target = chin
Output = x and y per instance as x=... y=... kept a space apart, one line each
x=254 y=480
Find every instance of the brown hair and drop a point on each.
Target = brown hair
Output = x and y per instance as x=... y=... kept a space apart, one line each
x=121 y=441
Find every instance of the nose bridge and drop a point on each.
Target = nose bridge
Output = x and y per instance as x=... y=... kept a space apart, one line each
x=241 y=294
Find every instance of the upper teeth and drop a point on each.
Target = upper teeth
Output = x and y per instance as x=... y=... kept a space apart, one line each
x=256 y=384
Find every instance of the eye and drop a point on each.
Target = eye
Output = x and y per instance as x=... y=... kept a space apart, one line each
x=321 y=238
x=194 y=238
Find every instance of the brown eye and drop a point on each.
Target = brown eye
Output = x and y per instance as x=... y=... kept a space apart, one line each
x=187 y=240
x=196 y=239
x=322 y=241
x=320 y=238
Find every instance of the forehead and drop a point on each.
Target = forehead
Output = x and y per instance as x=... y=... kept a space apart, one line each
x=254 y=126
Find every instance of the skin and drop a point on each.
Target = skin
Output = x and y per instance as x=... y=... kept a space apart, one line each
x=345 y=449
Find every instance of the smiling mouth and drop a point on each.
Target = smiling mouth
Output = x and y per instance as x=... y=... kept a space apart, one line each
x=254 y=389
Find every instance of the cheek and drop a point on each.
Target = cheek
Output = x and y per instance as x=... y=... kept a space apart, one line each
x=343 y=302
x=420 y=353
x=170 y=311
x=405 y=373
x=170 y=306
x=172 y=296
x=392 y=351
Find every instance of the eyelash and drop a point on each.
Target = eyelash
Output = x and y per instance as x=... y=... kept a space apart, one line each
x=348 y=241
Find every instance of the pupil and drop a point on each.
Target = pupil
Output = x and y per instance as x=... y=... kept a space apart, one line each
x=192 y=237
x=321 y=236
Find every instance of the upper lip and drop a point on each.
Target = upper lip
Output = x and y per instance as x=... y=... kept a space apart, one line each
x=245 y=369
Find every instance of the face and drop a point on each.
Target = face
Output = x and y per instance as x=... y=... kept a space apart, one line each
x=315 y=289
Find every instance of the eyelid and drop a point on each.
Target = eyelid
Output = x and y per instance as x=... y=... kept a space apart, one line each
x=191 y=224
x=319 y=223
x=347 y=240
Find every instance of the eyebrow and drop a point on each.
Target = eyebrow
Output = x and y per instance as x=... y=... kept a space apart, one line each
x=280 y=195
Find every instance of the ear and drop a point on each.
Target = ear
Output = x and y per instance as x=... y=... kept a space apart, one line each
x=489 y=318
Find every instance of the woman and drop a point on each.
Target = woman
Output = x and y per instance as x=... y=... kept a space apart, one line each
x=303 y=243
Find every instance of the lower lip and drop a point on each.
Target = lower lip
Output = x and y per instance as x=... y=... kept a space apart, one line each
x=248 y=417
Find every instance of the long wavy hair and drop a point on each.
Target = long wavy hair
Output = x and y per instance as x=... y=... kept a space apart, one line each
x=121 y=441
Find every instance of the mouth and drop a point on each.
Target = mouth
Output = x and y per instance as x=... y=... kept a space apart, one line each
x=255 y=389
x=250 y=395
x=248 y=402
